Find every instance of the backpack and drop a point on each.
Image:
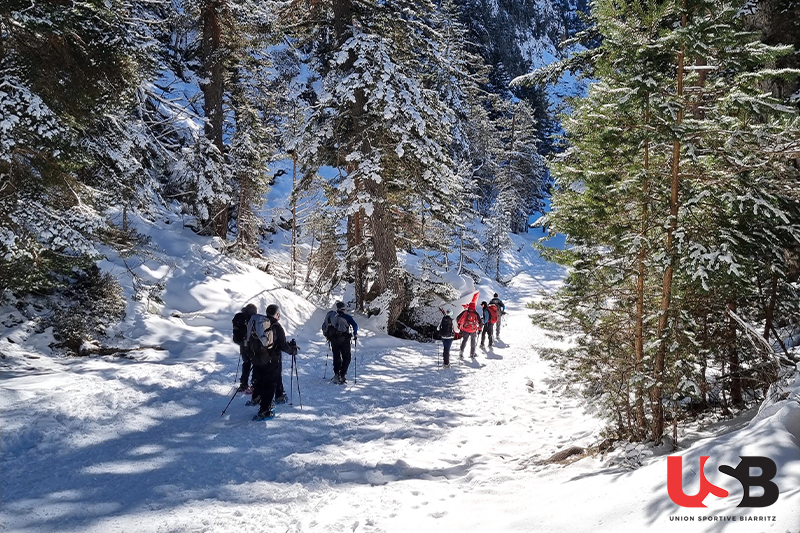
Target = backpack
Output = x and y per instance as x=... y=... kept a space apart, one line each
x=468 y=321
x=499 y=303
x=446 y=327
x=260 y=339
x=492 y=313
x=335 y=327
x=239 y=323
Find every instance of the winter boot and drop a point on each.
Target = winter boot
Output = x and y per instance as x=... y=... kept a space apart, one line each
x=264 y=415
x=281 y=399
x=253 y=401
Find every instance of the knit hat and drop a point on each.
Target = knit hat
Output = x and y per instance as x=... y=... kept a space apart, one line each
x=250 y=309
x=339 y=306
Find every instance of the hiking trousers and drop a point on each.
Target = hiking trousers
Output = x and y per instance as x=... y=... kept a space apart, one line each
x=487 y=330
x=468 y=337
x=247 y=365
x=266 y=379
x=341 y=355
x=446 y=343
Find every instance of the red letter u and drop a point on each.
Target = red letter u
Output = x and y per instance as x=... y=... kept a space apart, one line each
x=675 y=484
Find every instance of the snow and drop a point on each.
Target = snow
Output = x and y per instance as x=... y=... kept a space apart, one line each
x=137 y=443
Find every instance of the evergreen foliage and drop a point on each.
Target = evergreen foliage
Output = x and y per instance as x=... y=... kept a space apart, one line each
x=674 y=194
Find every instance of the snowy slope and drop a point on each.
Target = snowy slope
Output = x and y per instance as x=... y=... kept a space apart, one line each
x=116 y=444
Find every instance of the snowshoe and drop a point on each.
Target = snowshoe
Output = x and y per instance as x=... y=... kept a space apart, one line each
x=264 y=415
x=281 y=399
x=253 y=401
x=446 y=366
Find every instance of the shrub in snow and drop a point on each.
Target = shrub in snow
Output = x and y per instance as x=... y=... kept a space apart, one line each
x=88 y=306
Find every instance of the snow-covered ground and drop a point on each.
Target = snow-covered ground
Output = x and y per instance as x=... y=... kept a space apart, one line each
x=105 y=444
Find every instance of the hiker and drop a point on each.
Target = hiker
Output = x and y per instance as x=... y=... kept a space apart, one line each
x=336 y=328
x=239 y=322
x=501 y=308
x=447 y=334
x=267 y=340
x=469 y=323
x=489 y=319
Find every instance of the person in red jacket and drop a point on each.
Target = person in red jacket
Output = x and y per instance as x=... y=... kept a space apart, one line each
x=469 y=323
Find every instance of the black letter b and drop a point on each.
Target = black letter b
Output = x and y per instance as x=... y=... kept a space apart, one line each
x=742 y=473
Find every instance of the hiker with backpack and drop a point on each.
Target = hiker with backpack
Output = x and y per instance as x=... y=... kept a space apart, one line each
x=239 y=323
x=267 y=339
x=501 y=308
x=447 y=335
x=336 y=328
x=469 y=324
x=490 y=315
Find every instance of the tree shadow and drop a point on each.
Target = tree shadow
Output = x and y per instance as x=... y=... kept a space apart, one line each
x=173 y=447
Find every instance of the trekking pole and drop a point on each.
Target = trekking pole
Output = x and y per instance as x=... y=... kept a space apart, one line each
x=438 y=354
x=355 y=361
x=299 y=396
x=237 y=366
x=291 y=382
x=229 y=402
x=327 y=355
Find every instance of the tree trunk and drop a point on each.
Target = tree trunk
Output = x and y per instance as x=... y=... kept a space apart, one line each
x=769 y=311
x=666 y=288
x=733 y=359
x=213 y=90
x=641 y=420
x=294 y=219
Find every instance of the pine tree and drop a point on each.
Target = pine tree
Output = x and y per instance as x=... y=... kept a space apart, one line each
x=378 y=122
x=64 y=67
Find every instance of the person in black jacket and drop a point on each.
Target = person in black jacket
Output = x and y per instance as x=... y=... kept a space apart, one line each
x=268 y=375
x=247 y=311
x=447 y=334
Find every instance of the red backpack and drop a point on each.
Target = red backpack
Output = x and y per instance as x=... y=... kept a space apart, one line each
x=492 y=314
x=468 y=321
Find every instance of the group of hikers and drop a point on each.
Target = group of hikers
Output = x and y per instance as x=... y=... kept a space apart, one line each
x=470 y=323
x=262 y=340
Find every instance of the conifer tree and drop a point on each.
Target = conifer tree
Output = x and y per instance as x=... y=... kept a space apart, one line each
x=386 y=131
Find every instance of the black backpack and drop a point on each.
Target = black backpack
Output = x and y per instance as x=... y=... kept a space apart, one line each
x=240 y=327
x=446 y=327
